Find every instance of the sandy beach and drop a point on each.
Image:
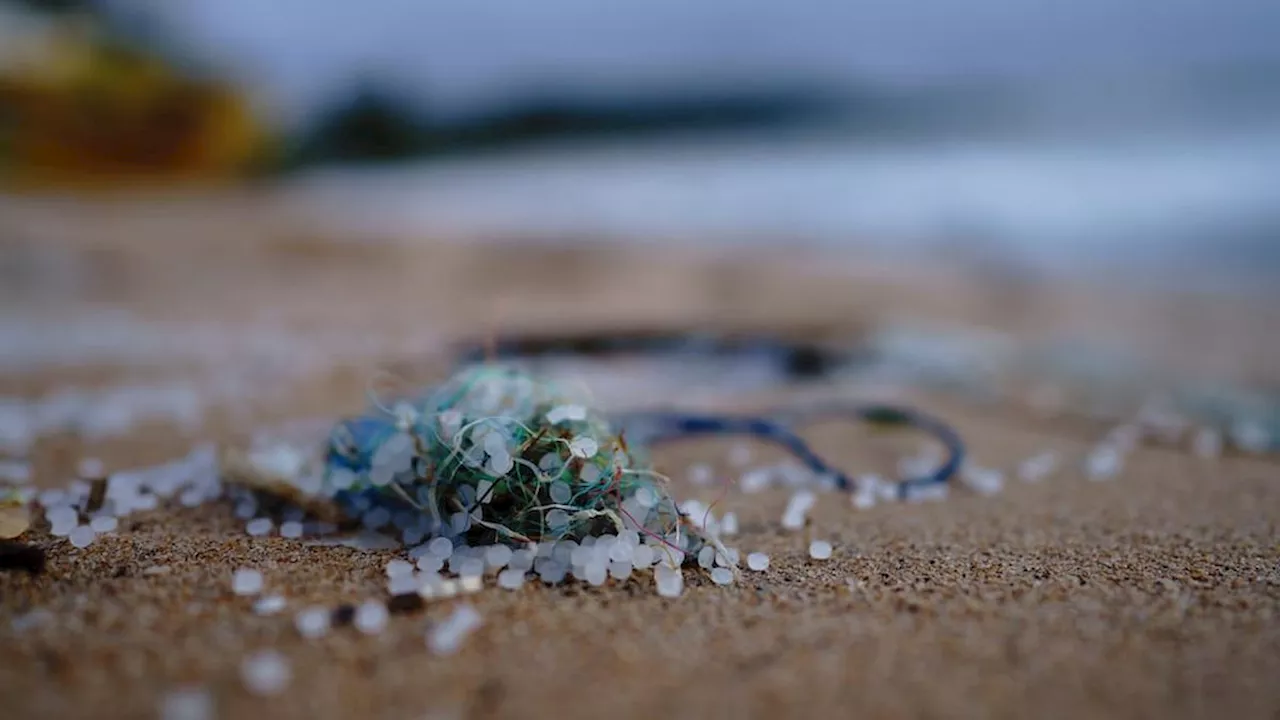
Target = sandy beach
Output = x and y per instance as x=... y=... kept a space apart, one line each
x=1152 y=594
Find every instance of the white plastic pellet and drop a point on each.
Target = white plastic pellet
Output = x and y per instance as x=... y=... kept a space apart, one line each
x=669 y=581
x=398 y=567
x=642 y=556
x=557 y=518
x=313 y=622
x=269 y=605
x=740 y=454
x=522 y=560
x=258 y=527
x=430 y=585
x=90 y=468
x=1103 y=463
x=430 y=563
x=820 y=550
x=798 y=506
x=984 y=481
x=562 y=552
x=729 y=524
x=246 y=581
x=647 y=497
x=620 y=569
x=596 y=574
x=82 y=536
x=864 y=498
x=496 y=557
x=500 y=464
x=441 y=547
x=620 y=551
x=471 y=567
x=701 y=474
x=583 y=447
x=404 y=584
x=63 y=520
x=291 y=529
x=189 y=703
x=266 y=672
x=510 y=579
x=447 y=637
x=552 y=573
x=696 y=510
x=371 y=617
x=493 y=440
x=560 y=492
x=558 y=414
x=755 y=480
x=550 y=463
x=707 y=557
x=669 y=556
x=722 y=576
x=471 y=583
x=758 y=561
x=1037 y=467
x=876 y=488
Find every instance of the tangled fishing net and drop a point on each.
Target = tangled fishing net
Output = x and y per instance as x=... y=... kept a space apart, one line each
x=496 y=455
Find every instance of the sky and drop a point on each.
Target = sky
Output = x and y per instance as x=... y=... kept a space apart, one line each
x=464 y=54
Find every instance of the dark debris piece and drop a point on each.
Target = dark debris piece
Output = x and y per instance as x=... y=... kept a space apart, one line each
x=343 y=615
x=406 y=603
x=21 y=556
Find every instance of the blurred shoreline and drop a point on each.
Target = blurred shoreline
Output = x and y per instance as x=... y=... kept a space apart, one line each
x=1148 y=209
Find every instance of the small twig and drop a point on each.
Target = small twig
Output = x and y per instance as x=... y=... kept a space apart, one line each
x=97 y=495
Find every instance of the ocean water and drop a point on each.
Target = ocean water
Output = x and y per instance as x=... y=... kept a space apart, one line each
x=1137 y=204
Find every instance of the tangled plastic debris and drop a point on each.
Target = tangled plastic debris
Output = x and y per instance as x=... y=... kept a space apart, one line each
x=495 y=453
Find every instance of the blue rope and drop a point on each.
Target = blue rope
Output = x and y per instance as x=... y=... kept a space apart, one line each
x=657 y=427
x=676 y=426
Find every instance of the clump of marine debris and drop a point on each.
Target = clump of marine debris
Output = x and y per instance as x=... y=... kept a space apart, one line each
x=492 y=469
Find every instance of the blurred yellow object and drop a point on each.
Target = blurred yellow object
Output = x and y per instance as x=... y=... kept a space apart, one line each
x=15 y=519
x=79 y=112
